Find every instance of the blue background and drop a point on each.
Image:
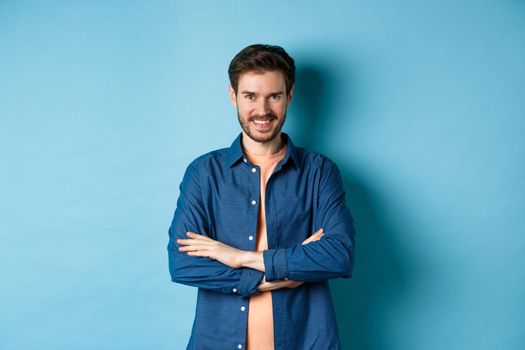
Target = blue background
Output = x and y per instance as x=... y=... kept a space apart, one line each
x=420 y=103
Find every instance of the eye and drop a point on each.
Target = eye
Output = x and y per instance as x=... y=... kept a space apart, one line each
x=275 y=97
x=249 y=97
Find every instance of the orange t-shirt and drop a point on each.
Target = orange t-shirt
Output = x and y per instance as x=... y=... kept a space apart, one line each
x=260 y=314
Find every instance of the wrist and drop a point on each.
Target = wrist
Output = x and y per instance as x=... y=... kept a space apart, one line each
x=245 y=258
x=252 y=259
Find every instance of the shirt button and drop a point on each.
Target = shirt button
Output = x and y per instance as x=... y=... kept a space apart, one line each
x=254 y=202
x=243 y=308
x=250 y=238
x=239 y=346
x=234 y=290
x=244 y=159
x=254 y=170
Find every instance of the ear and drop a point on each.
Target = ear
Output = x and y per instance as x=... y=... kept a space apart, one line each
x=290 y=95
x=233 y=96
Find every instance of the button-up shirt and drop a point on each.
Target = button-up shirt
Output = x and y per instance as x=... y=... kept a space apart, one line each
x=219 y=197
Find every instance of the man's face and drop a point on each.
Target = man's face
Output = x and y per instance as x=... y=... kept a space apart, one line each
x=261 y=102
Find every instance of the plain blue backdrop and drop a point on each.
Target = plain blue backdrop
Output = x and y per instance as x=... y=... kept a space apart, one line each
x=420 y=103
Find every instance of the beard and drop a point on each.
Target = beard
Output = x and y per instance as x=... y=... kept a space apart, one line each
x=262 y=138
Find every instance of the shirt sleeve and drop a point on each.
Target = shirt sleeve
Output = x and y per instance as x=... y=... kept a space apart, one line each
x=202 y=272
x=330 y=257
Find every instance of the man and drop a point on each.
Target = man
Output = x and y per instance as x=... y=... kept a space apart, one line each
x=261 y=226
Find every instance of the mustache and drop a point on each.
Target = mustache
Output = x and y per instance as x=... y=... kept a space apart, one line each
x=266 y=116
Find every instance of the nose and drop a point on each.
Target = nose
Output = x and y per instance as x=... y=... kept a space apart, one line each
x=262 y=107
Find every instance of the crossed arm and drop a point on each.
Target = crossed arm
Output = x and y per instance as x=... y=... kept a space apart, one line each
x=201 y=245
x=197 y=260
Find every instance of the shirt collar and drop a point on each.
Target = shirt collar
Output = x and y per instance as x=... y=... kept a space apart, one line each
x=235 y=152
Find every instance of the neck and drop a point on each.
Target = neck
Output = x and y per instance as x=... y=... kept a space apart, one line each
x=262 y=148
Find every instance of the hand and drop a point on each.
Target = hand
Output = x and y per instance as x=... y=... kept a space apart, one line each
x=199 y=245
x=315 y=236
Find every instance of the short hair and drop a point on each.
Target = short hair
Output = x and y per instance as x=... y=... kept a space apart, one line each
x=260 y=58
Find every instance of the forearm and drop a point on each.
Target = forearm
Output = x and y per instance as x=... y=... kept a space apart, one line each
x=212 y=275
x=252 y=259
x=326 y=259
x=255 y=259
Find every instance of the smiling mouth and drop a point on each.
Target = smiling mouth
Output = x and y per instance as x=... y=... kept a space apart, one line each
x=262 y=123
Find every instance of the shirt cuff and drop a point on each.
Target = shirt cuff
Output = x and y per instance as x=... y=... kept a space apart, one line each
x=249 y=281
x=275 y=264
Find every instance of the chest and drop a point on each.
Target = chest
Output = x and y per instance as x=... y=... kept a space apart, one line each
x=290 y=199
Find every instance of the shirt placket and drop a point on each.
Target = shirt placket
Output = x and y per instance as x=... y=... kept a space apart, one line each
x=254 y=196
x=273 y=242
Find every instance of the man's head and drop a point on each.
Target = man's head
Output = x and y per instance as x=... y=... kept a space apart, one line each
x=261 y=87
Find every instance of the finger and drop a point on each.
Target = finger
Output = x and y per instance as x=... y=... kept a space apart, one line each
x=317 y=233
x=189 y=248
x=314 y=237
x=306 y=241
x=200 y=253
x=196 y=245
x=196 y=236
x=309 y=239
x=193 y=242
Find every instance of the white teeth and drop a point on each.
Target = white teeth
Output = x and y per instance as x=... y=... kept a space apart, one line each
x=261 y=121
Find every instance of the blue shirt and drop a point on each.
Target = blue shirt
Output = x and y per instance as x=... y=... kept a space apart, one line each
x=219 y=197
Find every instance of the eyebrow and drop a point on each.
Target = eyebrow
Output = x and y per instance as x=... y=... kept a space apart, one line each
x=245 y=92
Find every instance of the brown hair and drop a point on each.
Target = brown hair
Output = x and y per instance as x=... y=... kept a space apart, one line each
x=261 y=58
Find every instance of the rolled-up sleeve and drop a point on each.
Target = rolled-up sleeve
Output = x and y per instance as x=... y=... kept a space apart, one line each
x=330 y=257
x=202 y=272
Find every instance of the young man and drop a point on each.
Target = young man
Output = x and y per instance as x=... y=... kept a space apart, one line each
x=261 y=226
